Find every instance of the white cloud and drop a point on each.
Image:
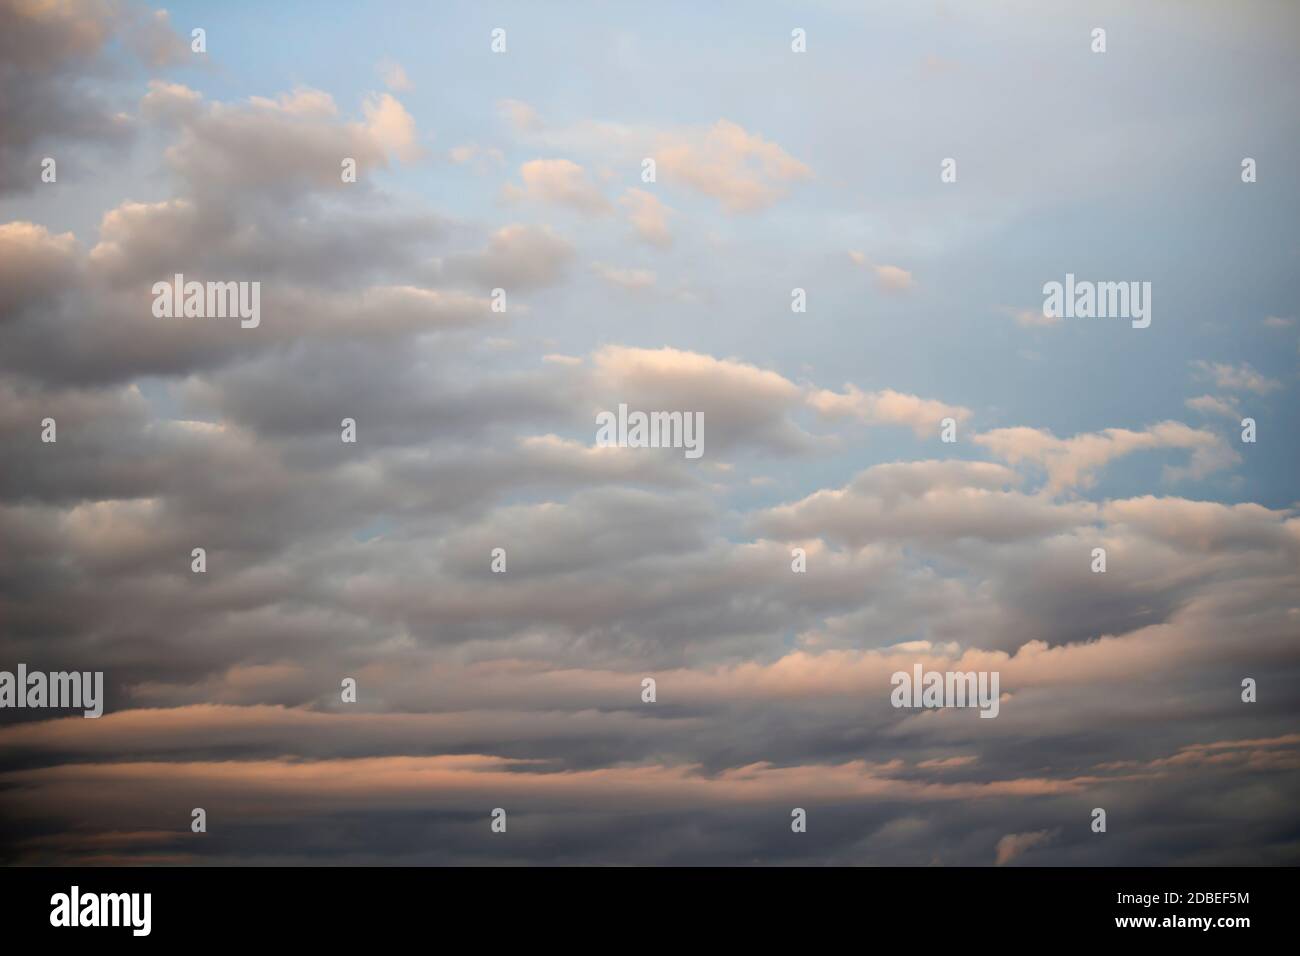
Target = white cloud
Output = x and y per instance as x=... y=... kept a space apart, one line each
x=886 y=407
x=1212 y=405
x=649 y=217
x=392 y=126
x=561 y=182
x=740 y=169
x=1238 y=378
x=1073 y=462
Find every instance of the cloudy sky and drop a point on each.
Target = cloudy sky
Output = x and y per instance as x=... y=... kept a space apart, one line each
x=522 y=690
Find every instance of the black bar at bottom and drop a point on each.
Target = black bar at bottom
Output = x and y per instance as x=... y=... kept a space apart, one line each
x=616 y=906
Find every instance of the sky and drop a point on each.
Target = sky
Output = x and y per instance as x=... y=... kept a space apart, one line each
x=775 y=170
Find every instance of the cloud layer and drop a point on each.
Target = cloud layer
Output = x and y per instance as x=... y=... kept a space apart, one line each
x=473 y=333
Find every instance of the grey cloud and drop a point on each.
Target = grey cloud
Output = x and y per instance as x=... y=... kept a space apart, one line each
x=372 y=560
x=54 y=58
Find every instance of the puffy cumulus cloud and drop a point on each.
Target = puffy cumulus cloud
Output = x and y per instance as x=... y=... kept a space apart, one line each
x=117 y=336
x=515 y=257
x=1208 y=526
x=302 y=102
x=302 y=395
x=561 y=182
x=738 y=168
x=741 y=403
x=935 y=500
x=1104 y=661
x=170 y=103
x=648 y=216
x=339 y=246
x=550 y=454
x=289 y=145
x=34 y=265
x=260 y=199
x=741 y=170
x=388 y=122
x=56 y=52
x=886 y=407
x=1237 y=378
x=1072 y=462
